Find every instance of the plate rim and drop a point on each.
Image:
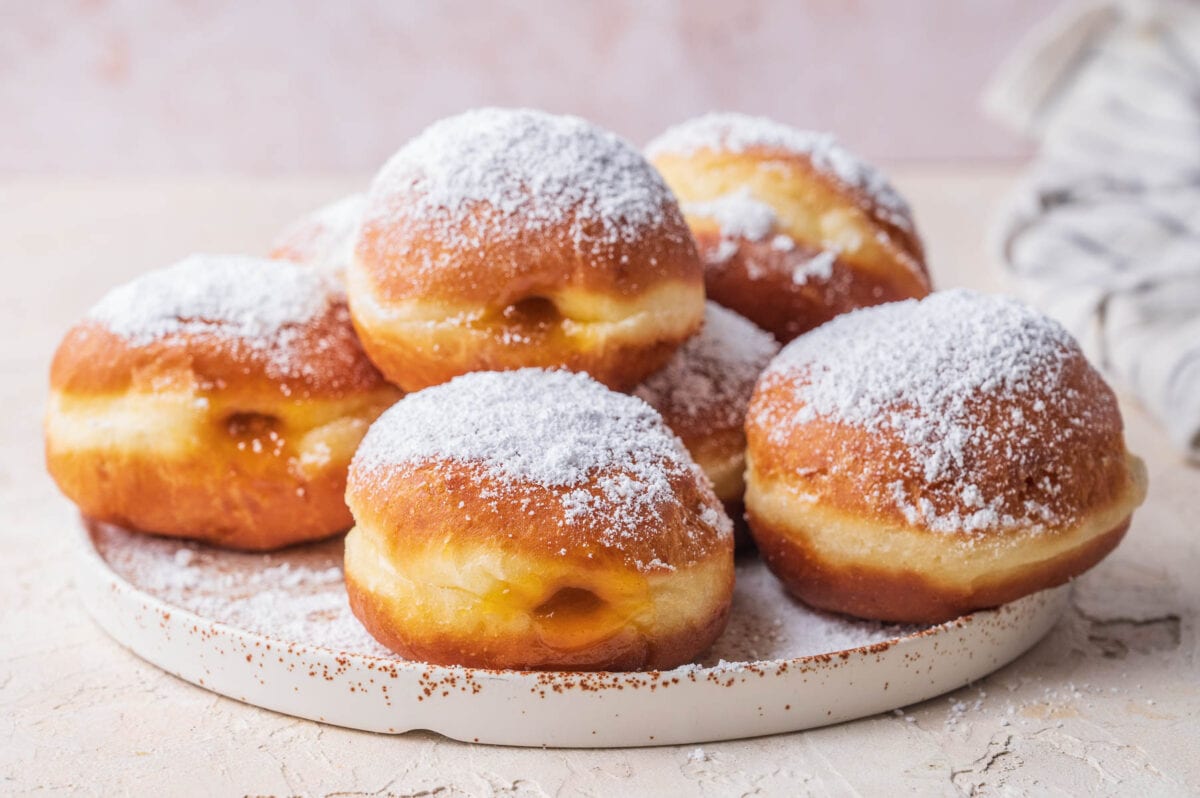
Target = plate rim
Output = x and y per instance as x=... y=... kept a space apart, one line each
x=568 y=709
x=94 y=558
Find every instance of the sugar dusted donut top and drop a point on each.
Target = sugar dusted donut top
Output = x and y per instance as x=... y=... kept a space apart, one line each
x=323 y=239
x=737 y=133
x=535 y=169
x=962 y=412
x=606 y=459
x=707 y=385
x=255 y=301
x=235 y=316
x=500 y=190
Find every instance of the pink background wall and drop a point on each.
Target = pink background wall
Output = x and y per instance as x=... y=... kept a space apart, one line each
x=117 y=87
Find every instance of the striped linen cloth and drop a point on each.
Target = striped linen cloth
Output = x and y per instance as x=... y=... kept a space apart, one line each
x=1105 y=235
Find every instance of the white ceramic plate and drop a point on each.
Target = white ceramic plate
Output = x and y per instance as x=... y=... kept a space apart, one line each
x=274 y=630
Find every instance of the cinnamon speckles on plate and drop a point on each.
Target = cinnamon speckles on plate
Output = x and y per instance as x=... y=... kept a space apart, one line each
x=273 y=630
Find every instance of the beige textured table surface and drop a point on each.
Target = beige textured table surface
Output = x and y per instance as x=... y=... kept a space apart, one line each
x=1109 y=703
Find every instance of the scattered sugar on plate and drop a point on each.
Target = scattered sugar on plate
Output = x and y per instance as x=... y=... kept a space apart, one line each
x=297 y=595
x=766 y=623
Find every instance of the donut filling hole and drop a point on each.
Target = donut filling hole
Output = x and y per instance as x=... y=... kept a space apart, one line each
x=252 y=425
x=255 y=432
x=533 y=312
x=570 y=603
x=573 y=617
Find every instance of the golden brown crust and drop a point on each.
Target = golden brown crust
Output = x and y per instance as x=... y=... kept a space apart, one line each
x=478 y=251
x=627 y=650
x=617 y=312
x=450 y=565
x=703 y=393
x=234 y=471
x=419 y=503
x=893 y=592
x=925 y=459
x=756 y=280
x=847 y=467
x=486 y=559
x=222 y=503
x=824 y=501
x=802 y=169
x=204 y=436
x=879 y=257
x=710 y=451
x=91 y=360
x=502 y=270
x=418 y=359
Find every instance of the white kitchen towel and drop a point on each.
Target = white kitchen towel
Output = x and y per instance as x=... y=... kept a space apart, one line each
x=1105 y=235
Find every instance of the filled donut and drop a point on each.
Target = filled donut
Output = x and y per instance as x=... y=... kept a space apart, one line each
x=924 y=459
x=499 y=239
x=703 y=392
x=323 y=239
x=792 y=227
x=535 y=520
x=219 y=399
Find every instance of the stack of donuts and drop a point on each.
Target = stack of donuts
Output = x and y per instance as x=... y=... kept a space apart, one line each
x=538 y=377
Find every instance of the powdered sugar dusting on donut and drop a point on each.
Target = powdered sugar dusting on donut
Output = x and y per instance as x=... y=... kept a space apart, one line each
x=340 y=217
x=711 y=377
x=324 y=239
x=258 y=303
x=947 y=375
x=492 y=173
x=604 y=453
x=818 y=268
x=733 y=132
x=738 y=215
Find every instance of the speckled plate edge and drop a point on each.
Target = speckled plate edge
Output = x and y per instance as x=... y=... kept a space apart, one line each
x=579 y=710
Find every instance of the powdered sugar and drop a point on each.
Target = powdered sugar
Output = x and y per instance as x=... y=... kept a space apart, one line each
x=298 y=596
x=710 y=379
x=324 y=239
x=738 y=215
x=766 y=623
x=495 y=173
x=603 y=453
x=295 y=595
x=725 y=249
x=818 y=268
x=733 y=132
x=783 y=243
x=939 y=374
x=259 y=303
x=341 y=216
